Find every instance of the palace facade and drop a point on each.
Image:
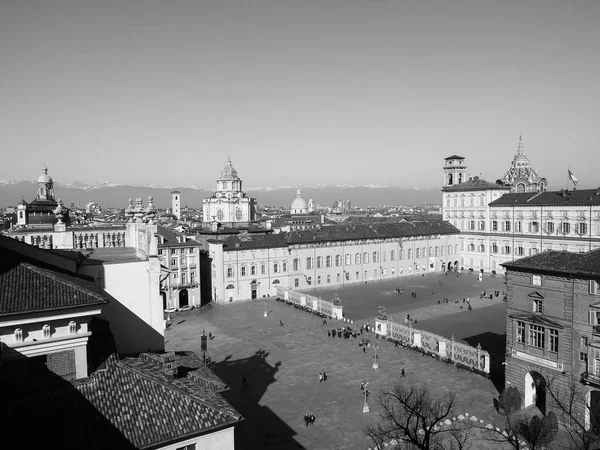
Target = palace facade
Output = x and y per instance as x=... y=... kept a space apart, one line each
x=515 y=216
x=249 y=266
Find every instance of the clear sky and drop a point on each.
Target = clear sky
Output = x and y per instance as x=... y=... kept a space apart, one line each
x=297 y=91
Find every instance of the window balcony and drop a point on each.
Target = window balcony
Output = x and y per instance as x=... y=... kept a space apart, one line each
x=596 y=329
x=186 y=285
x=590 y=378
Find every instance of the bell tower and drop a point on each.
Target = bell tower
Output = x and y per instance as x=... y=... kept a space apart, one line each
x=455 y=171
x=176 y=204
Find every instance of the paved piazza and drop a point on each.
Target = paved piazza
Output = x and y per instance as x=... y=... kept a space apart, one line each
x=282 y=363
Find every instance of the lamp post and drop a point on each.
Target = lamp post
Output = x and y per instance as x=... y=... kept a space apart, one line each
x=265 y=315
x=363 y=387
x=203 y=345
x=375 y=363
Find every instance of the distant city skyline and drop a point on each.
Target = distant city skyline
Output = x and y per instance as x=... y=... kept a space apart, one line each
x=297 y=93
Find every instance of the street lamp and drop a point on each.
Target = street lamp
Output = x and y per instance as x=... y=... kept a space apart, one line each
x=265 y=309
x=375 y=363
x=363 y=387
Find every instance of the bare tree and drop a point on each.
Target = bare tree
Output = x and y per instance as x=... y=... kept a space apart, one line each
x=411 y=414
x=573 y=407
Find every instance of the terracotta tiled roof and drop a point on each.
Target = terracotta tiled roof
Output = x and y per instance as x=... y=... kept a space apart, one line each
x=26 y=288
x=585 y=265
x=475 y=184
x=170 y=238
x=342 y=233
x=130 y=403
x=583 y=197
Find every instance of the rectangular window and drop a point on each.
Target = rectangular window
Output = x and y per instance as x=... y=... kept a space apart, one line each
x=507 y=249
x=173 y=251
x=494 y=225
x=583 y=357
x=494 y=248
x=566 y=227
x=518 y=226
x=536 y=280
x=183 y=278
x=534 y=227
x=309 y=263
x=187 y=447
x=507 y=225
x=520 y=251
x=481 y=225
x=521 y=332
x=357 y=275
x=357 y=258
x=243 y=271
x=553 y=337
x=173 y=262
x=375 y=257
x=550 y=227
x=348 y=259
x=338 y=260
x=393 y=256
x=275 y=268
x=252 y=270
x=384 y=256
x=319 y=262
x=594 y=287
x=471 y=224
x=230 y=272
x=338 y=277
x=582 y=228
x=295 y=264
x=594 y=317
x=536 y=336
x=319 y=279
x=328 y=278
x=263 y=269
x=328 y=261
x=584 y=341
x=284 y=267
x=192 y=277
x=537 y=306
x=365 y=258
x=296 y=282
x=309 y=280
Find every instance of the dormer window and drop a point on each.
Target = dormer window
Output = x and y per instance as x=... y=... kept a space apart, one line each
x=72 y=327
x=46 y=331
x=537 y=306
x=18 y=335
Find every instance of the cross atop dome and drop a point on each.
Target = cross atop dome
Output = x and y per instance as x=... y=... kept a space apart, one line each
x=229 y=171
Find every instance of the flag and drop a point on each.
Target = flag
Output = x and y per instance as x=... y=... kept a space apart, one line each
x=573 y=178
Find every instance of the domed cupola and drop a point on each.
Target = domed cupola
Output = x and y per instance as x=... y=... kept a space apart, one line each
x=45 y=186
x=229 y=171
x=299 y=205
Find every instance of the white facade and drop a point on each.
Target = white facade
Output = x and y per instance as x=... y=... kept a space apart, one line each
x=229 y=203
x=176 y=204
x=240 y=273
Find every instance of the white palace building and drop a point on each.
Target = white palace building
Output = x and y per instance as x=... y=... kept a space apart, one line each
x=516 y=216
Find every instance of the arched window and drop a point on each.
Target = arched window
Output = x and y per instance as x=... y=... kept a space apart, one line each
x=275 y=281
x=319 y=262
x=437 y=250
x=238 y=214
x=392 y=256
x=520 y=187
x=219 y=214
x=375 y=257
x=309 y=263
x=296 y=264
x=328 y=261
x=430 y=253
x=338 y=260
x=365 y=258
x=230 y=286
x=409 y=253
x=418 y=253
x=357 y=258
x=449 y=250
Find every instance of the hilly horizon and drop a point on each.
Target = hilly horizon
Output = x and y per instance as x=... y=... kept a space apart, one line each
x=116 y=195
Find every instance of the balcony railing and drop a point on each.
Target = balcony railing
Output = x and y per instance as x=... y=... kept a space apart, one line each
x=187 y=284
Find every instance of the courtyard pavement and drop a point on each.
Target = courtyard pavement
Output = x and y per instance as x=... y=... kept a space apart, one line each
x=282 y=361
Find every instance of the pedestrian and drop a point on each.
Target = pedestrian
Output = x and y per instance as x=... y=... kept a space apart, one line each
x=312 y=419
x=306 y=419
x=328 y=333
x=324 y=376
x=320 y=377
x=324 y=322
x=210 y=335
x=281 y=323
x=364 y=349
x=403 y=373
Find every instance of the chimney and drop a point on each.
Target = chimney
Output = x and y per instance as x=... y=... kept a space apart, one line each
x=169 y=366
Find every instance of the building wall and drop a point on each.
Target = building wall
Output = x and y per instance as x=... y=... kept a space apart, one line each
x=211 y=207
x=184 y=262
x=61 y=337
x=232 y=275
x=566 y=302
x=218 y=440
x=135 y=312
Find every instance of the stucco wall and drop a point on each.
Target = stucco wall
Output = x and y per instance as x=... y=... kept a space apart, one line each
x=219 y=440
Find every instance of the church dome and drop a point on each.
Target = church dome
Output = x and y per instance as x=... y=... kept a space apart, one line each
x=229 y=171
x=299 y=205
x=44 y=178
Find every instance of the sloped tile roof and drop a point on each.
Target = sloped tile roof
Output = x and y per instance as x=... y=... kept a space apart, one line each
x=170 y=238
x=454 y=157
x=128 y=404
x=26 y=288
x=377 y=230
x=585 y=265
x=475 y=184
x=583 y=197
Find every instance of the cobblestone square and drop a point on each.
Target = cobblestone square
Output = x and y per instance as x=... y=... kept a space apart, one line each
x=281 y=357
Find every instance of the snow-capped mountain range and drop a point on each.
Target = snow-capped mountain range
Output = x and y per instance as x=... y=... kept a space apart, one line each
x=112 y=194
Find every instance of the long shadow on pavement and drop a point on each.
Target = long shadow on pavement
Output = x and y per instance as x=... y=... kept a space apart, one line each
x=495 y=344
x=248 y=380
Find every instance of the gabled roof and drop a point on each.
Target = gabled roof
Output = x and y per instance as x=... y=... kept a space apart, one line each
x=131 y=403
x=475 y=184
x=26 y=288
x=583 y=197
x=454 y=157
x=586 y=265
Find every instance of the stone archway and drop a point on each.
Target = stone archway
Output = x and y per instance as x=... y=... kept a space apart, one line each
x=183 y=298
x=535 y=391
x=254 y=289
